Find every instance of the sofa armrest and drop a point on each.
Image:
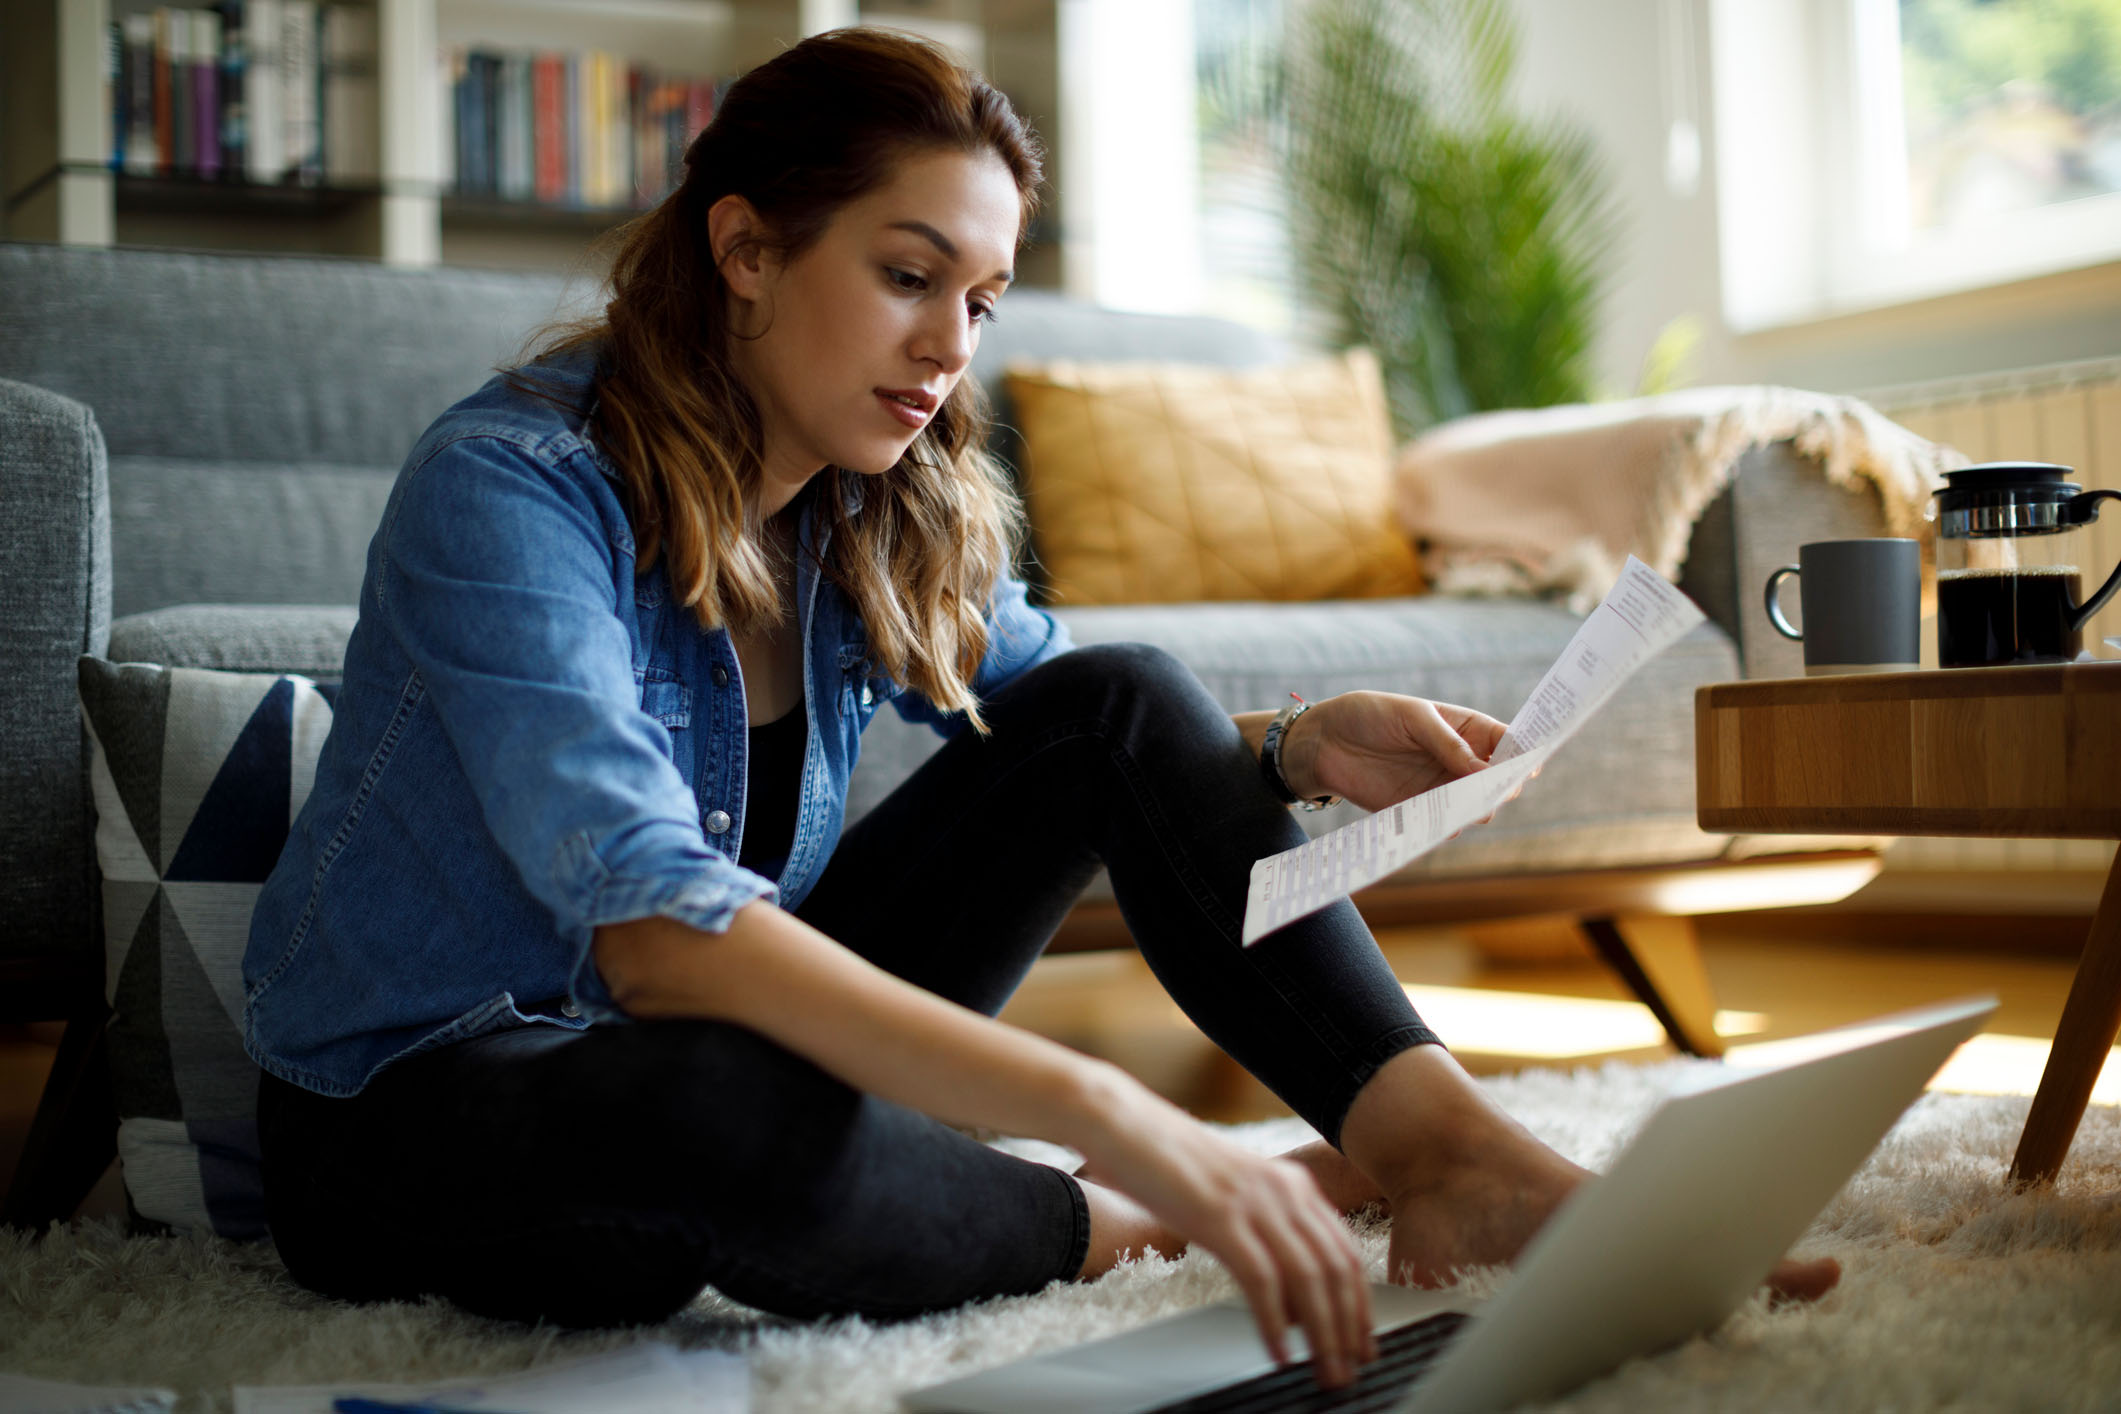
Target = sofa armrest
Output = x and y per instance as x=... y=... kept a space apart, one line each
x=1775 y=502
x=55 y=603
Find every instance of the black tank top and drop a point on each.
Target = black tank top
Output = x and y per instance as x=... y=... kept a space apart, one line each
x=773 y=776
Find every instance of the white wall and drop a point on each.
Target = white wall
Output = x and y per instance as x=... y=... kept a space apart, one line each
x=1602 y=64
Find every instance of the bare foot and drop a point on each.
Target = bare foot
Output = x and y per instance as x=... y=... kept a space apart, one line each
x=1479 y=1210
x=1467 y=1185
x=1346 y=1187
x=1486 y=1216
x=1120 y=1228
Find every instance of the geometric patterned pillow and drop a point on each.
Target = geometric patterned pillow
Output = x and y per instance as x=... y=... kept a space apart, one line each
x=196 y=776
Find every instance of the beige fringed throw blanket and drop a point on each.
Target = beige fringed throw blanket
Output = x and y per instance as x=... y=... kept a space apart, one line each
x=1553 y=500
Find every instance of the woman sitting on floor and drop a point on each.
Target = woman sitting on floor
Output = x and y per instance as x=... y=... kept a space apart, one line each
x=572 y=996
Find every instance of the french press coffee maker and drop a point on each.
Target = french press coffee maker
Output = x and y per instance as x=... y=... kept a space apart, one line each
x=2012 y=538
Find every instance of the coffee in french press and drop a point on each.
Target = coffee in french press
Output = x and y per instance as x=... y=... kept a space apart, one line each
x=2011 y=540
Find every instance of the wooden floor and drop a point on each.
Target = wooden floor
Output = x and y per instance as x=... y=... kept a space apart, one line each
x=1774 y=975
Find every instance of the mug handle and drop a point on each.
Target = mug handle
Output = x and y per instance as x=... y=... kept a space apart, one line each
x=1782 y=625
x=2084 y=508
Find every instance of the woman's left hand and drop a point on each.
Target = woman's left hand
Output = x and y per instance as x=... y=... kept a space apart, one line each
x=1377 y=748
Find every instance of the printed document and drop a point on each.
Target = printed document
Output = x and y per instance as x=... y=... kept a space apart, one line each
x=1642 y=616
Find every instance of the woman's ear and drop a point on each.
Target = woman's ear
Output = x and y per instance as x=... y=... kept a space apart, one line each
x=734 y=227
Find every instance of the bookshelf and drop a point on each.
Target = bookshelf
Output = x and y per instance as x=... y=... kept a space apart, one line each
x=408 y=207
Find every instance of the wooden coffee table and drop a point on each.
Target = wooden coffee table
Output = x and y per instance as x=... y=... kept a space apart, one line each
x=2032 y=751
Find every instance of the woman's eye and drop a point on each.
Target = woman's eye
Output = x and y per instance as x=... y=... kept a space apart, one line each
x=908 y=281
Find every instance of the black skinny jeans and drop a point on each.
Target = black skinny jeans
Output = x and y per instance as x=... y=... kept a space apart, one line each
x=604 y=1177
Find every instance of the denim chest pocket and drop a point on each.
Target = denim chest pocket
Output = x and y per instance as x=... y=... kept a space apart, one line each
x=663 y=697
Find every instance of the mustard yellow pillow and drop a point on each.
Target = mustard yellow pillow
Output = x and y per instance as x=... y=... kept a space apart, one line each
x=1152 y=483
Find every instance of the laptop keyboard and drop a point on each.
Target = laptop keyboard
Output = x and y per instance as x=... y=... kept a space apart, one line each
x=1402 y=1354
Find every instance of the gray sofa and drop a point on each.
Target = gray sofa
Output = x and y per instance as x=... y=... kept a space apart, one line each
x=194 y=449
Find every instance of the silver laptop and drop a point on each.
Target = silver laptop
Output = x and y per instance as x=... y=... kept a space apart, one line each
x=1676 y=1235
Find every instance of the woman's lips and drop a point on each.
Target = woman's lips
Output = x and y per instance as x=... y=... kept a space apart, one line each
x=911 y=416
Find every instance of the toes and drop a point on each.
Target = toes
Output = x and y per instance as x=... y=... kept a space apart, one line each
x=1802 y=1281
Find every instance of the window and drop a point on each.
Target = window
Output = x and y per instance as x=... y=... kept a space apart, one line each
x=2008 y=106
x=1876 y=151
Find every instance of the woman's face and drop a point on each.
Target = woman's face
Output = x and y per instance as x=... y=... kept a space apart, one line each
x=883 y=310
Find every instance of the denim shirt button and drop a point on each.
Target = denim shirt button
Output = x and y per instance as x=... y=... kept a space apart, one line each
x=716 y=821
x=570 y=1010
x=721 y=676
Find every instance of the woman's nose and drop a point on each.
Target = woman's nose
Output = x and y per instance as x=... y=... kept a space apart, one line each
x=947 y=339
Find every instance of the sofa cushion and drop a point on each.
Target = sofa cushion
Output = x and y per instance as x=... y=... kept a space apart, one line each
x=234 y=358
x=249 y=638
x=196 y=777
x=1621 y=793
x=1171 y=483
x=280 y=532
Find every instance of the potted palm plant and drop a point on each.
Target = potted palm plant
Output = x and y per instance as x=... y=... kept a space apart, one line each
x=1467 y=244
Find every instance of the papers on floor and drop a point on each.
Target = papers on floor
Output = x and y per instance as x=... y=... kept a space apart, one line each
x=20 y=1394
x=654 y=1378
x=1640 y=618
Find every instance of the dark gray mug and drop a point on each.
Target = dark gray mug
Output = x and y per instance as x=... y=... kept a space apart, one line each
x=1862 y=604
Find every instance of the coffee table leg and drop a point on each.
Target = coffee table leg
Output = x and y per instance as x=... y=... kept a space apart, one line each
x=1660 y=960
x=2090 y=1019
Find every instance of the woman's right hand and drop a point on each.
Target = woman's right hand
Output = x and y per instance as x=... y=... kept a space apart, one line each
x=1263 y=1218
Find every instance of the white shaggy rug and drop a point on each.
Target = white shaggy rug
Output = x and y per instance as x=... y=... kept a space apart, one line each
x=1956 y=1294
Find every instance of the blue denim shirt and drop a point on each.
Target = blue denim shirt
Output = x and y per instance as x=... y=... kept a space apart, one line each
x=532 y=740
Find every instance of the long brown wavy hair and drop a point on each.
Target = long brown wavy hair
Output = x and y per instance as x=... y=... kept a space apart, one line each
x=800 y=136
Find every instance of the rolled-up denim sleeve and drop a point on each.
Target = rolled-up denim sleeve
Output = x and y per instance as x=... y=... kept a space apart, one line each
x=1019 y=638
x=498 y=577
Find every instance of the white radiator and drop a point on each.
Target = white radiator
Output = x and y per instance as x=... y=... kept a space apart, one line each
x=2068 y=413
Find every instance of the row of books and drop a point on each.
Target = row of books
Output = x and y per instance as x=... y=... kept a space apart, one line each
x=256 y=90
x=586 y=129
x=286 y=91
